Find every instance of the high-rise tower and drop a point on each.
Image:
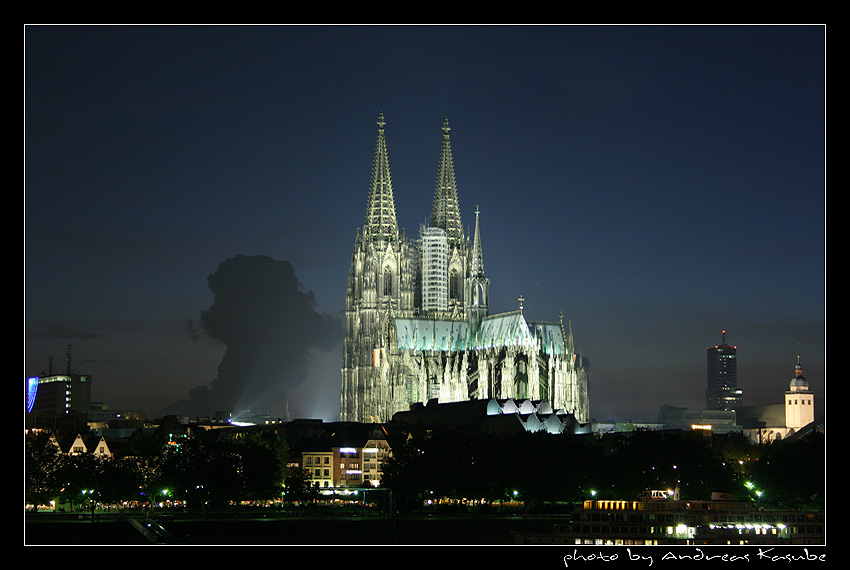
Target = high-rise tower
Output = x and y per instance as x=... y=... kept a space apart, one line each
x=418 y=325
x=722 y=391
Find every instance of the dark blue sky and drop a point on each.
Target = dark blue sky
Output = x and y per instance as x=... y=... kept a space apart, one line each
x=658 y=184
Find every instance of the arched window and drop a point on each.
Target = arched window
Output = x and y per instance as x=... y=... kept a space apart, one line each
x=521 y=377
x=388 y=281
x=478 y=296
x=454 y=285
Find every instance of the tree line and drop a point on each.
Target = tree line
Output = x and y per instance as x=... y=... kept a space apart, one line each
x=206 y=469
x=543 y=470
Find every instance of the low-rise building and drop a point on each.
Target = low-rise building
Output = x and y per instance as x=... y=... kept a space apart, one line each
x=319 y=466
x=716 y=421
x=347 y=456
x=79 y=445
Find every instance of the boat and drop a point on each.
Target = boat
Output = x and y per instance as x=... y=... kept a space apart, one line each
x=662 y=518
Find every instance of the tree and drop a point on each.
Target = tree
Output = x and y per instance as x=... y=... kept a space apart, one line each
x=83 y=480
x=792 y=473
x=263 y=456
x=42 y=466
x=121 y=480
x=406 y=474
x=200 y=471
x=298 y=487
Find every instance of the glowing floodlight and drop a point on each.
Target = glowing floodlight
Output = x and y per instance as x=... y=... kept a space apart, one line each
x=32 y=390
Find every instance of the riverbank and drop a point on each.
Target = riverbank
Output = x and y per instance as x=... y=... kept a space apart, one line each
x=42 y=529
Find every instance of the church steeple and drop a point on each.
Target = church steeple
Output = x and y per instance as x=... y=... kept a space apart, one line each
x=799 y=382
x=381 y=223
x=477 y=286
x=446 y=212
x=477 y=264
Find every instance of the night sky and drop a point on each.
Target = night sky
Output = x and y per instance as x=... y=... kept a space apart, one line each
x=657 y=184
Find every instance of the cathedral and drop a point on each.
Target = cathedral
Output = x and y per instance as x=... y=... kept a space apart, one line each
x=417 y=321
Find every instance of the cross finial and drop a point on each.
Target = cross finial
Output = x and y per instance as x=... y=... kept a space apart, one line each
x=521 y=299
x=381 y=122
x=446 y=128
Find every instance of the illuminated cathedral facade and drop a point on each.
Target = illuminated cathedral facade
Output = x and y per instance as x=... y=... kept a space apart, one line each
x=418 y=325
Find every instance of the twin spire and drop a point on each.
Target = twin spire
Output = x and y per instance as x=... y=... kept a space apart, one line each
x=381 y=223
x=446 y=211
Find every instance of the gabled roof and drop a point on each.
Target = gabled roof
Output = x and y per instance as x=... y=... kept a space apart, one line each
x=551 y=337
x=93 y=443
x=505 y=329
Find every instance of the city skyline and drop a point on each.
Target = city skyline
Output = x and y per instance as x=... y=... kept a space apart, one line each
x=670 y=180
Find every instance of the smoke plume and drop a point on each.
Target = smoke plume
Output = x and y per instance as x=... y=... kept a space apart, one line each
x=269 y=326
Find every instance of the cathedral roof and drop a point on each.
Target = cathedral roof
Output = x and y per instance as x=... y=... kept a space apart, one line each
x=505 y=329
x=551 y=337
x=452 y=335
x=432 y=334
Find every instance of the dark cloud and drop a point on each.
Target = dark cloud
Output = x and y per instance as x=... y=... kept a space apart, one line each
x=269 y=326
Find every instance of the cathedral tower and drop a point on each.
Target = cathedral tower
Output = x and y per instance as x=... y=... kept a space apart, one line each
x=445 y=216
x=445 y=213
x=418 y=322
x=379 y=288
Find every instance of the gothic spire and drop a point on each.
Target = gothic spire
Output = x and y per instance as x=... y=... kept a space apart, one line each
x=477 y=266
x=446 y=212
x=381 y=223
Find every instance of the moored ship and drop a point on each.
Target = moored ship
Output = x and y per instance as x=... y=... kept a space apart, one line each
x=661 y=518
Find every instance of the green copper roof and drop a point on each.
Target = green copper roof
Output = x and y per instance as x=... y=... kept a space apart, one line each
x=505 y=329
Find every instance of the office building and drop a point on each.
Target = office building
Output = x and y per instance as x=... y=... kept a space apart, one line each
x=58 y=400
x=722 y=392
